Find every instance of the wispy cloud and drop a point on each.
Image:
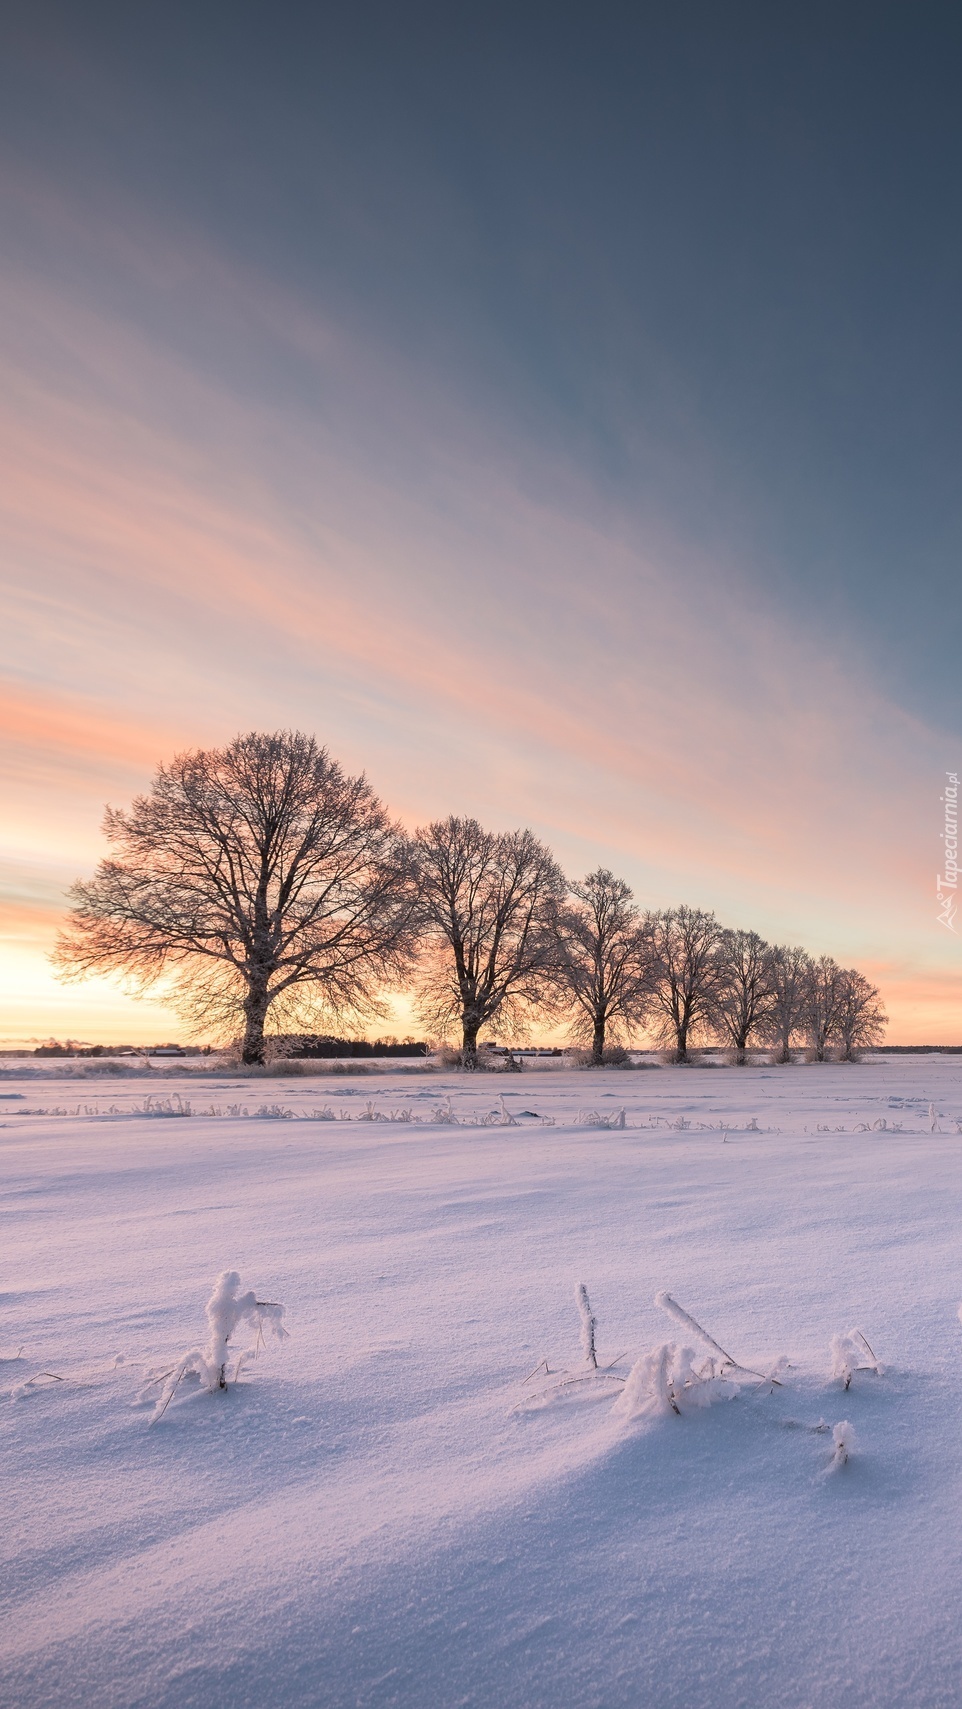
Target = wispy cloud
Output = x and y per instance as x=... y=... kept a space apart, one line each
x=297 y=526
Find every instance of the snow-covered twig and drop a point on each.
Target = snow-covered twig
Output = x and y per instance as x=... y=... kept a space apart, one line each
x=673 y=1309
x=591 y=1373
x=589 y=1324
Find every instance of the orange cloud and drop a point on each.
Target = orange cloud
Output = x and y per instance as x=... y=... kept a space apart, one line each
x=62 y=729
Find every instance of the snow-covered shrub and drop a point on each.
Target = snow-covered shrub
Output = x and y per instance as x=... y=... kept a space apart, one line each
x=647 y=1392
x=616 y=1119
x=667 y=1379
x=850 y=1353
x=843 y=1436
x=226 y=1310
x=446 y=1056
x=616 y=1056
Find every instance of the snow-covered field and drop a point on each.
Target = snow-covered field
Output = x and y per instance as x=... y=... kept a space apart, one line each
x=384 y=1511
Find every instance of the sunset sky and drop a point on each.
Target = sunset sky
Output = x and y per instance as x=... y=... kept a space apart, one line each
x=557 y=410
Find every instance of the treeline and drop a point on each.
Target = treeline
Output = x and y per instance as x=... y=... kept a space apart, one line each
x=71 y=1048
x=259 y=880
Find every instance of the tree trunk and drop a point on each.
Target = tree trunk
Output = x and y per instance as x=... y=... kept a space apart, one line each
x=682 y=1031
x=256 y=1005
x=469 y=1042
x=598 y=1043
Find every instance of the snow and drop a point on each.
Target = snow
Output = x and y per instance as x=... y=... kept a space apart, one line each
x=425 y=1495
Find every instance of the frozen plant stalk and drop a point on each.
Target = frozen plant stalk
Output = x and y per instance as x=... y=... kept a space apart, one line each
x=226 y=1310
x=589 y=1324
x=843 y=1437
x=850 y=1353
x=729 y=1366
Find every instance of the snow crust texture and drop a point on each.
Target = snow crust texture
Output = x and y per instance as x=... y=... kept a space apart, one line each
x=565 y=1414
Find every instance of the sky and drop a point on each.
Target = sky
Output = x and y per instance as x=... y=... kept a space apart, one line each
x=554 y=409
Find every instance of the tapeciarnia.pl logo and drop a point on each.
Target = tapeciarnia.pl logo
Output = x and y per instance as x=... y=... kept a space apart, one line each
x=947 y=882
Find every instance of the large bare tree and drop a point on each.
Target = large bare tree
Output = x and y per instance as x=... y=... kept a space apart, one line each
x=256 y=877
x=742 y=989
x=605 y=967
x=490 y=905
x=860 y=1019
x=788 y=969
x=822 y=993
x=684 y=943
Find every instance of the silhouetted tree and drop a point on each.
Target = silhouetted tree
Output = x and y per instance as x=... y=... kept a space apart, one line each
x=822 y=993
x=490 y=905
x=605 y=966
x=257 y=877
x=685 y=973
x=742 y=988
x=788 y=967
x=860 y=1019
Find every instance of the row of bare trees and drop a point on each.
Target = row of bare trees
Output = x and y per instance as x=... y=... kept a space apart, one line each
x=684 y=977
x=259 y=880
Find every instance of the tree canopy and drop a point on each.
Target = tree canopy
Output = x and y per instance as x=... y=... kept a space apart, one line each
x=256 y=877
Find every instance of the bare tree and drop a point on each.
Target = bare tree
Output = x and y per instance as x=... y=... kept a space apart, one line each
x=821 y=1000
x=788 y=969
x=256 y=877
x=490 y=904
x=605 y=968
x=684 y=944
x=860 y=1019
x=742 y=989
